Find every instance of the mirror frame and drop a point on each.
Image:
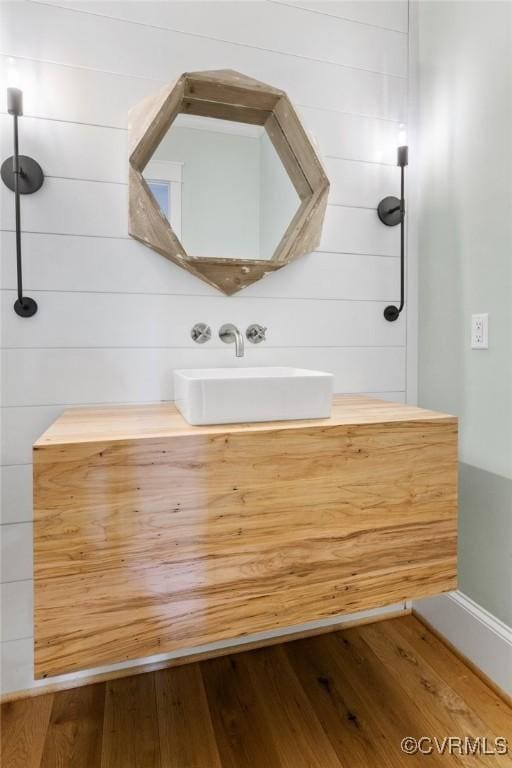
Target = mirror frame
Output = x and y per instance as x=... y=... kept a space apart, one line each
x=227 y=95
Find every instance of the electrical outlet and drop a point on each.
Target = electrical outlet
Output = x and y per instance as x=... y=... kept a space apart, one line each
x=480 y=331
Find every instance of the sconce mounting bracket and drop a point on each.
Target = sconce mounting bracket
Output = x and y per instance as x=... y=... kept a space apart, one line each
x=391 y=313
x=31 y=175
x=25 y=307
x=389 y=211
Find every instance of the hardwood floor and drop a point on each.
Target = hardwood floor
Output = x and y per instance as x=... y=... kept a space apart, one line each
x=340 y=700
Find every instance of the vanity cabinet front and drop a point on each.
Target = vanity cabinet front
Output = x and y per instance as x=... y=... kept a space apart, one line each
x=152 y=536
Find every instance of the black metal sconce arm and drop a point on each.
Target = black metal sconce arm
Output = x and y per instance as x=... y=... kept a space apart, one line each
x=23 y=176
x=391 y=211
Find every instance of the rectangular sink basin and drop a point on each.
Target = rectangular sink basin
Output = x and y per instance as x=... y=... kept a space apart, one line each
x=233 y=395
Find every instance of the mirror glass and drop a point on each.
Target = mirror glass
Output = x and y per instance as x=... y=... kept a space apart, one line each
x=223 y=188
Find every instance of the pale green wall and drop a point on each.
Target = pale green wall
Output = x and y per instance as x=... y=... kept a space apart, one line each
x=278 y=199
x=221 y=191
x=237 y=197
x=464 y=59
x=485 y=536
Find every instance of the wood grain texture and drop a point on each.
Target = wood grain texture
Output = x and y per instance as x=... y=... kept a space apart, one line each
x=350 y=726
x=130 y=731
x=236 y=718
x=23 y=732
x=75 y=729
x=463 y=659
x=227 y=95
x=187 y=658
x=337 y=701
x=299 y=143
x=133 y=422
x=226 y=86
x=283 y=702
x=149 y=120
x=287 y=156
x=221 y=111
x=415 y=675
x=187 y=738
x=351 y=663
x=475 y=688
x=166 y=536
x=233 y=274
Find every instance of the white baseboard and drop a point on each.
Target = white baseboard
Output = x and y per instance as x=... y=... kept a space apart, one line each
x=477 y=634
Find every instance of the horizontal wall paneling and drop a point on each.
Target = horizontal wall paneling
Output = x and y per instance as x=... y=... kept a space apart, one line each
x=388 y=14
x=145 y=320
x=146 y=375
x=114 y=317
x=281 y=28
x=79 y=263
x=50 y=36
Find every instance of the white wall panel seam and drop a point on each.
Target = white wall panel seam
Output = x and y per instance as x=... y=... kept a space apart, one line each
x=226 y=41
x=291 y=4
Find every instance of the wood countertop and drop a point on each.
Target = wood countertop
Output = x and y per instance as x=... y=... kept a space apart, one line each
x=134 y=422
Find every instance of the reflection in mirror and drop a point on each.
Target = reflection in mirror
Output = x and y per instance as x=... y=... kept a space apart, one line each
x=222 y=187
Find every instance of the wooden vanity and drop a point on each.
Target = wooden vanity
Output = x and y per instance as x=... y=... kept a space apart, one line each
x=151 y=535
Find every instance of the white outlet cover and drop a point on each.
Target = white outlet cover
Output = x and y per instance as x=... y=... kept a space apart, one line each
x=480 y=331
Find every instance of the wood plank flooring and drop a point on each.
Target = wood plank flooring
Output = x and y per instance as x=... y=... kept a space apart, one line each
x=340 y=700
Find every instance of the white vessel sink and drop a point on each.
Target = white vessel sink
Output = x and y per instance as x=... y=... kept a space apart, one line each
x=231 y=395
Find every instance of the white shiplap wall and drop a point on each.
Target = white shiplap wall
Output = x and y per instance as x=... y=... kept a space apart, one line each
x=114 y=317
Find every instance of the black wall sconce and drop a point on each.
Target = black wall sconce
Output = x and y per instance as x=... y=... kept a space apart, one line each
x=391 y=211
x=23 y=176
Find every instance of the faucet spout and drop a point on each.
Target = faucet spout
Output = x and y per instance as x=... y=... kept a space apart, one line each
x=229 y=333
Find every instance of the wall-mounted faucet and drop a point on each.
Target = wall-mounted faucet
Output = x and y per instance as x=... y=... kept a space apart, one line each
x=229 y=333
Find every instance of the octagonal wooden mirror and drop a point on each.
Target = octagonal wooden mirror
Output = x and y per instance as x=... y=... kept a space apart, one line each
x=224 y=180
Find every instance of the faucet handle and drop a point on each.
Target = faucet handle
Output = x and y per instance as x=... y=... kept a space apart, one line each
x=201 y=332
x=256 y=333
